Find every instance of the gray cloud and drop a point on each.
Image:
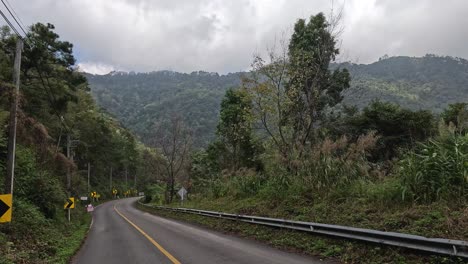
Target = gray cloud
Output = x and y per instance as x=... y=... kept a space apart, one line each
x=222 y=35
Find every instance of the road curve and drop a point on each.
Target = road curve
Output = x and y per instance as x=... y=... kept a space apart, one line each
x=120 y=233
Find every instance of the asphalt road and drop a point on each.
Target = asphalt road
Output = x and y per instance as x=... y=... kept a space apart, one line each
x=120 y=233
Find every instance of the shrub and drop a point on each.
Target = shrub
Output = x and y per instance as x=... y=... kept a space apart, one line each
x=437 y=169
x=154 y=193
x=37 y=185
x=246 y=182
x=337 y=163
x=218 y=188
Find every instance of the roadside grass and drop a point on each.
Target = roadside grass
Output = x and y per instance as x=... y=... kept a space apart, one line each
x=436 y=220
x=31 y=238
x=439 y=219
x=72 y=240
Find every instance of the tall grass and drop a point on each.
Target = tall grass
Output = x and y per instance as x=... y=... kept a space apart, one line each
x=328 y=166
x=437 y=170
x=332 y=164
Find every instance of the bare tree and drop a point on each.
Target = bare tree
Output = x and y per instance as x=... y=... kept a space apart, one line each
x=292 y=88
x=174 y=141
x=267 y=87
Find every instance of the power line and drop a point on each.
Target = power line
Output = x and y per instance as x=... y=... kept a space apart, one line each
x=8 y=9
x=29 y=41
x=10 y=24
x=44 y=85
x=14 y=12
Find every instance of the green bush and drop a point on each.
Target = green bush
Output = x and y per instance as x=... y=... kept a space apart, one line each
x=36 y=185
x=155 y=194
x=437 y=170
x=218 y=188
x=277 y=186
x=246 y=183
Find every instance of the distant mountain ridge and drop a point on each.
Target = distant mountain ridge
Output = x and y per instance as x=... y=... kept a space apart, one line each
x=429 y=82
x=140 y=100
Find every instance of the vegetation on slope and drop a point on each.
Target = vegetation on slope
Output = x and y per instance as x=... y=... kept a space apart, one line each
x=140 y=100
x=430 y=82
x=55 y=102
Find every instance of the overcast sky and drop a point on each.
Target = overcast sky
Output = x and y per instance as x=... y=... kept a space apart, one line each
x=222 y=35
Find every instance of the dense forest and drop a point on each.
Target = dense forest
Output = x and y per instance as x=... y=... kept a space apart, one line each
x=140 y=100
x=431 y=82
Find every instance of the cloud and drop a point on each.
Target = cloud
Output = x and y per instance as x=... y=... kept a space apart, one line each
x=95 y=68
x=222 y=35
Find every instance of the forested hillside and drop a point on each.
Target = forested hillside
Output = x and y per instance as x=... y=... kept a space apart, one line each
x=430 y=82
x=141 y=100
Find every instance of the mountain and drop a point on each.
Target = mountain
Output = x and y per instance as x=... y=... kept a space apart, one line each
x=140 y=100
x=429 y=82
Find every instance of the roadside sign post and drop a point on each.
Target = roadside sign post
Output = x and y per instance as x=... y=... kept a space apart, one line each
x=182 y=193
x=6 y=205
x=69 y=204
x=94 y=196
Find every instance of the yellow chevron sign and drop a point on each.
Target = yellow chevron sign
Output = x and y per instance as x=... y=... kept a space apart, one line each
x=70 y=203
x=6 y=202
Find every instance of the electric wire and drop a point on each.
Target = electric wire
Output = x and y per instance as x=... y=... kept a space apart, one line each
x=16 y=20
x=10 y=24
x=14 y=12
x=29 y=41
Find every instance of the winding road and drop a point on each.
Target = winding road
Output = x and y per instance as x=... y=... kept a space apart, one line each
x=120 y=233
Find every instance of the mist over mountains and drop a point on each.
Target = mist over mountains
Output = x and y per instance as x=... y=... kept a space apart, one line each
x=140 y=100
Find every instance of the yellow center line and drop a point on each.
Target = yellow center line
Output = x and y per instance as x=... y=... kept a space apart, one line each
x=156 y=244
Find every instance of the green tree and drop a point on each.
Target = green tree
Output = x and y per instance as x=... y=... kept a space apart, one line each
x=234 y=131
x=293 y=88
x=397 y=127
x=312 y=86
x=48 y=73
x=457 y=114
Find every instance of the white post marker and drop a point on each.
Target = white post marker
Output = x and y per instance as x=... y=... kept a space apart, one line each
x=182 y=193
x=89 y=208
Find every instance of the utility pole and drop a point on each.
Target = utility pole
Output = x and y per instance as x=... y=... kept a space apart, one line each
x=89 y=173
x=69 y=170
x=10 y=177
x=110 y=178
x=126 y=177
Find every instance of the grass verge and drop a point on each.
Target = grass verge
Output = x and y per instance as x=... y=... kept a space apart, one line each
x=31 y=238
x=326 y=248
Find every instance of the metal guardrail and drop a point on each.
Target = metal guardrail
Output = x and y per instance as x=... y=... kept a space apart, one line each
x=456 y=248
